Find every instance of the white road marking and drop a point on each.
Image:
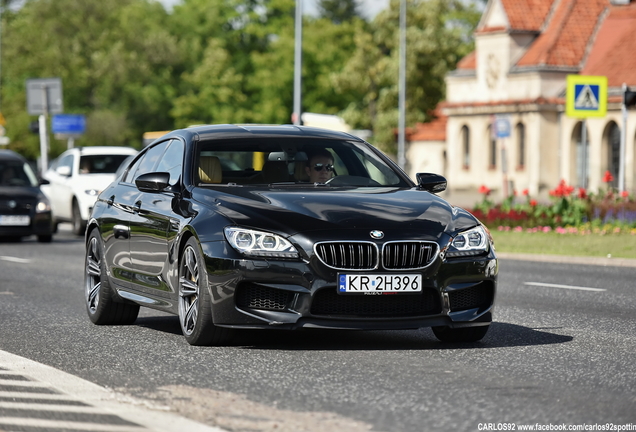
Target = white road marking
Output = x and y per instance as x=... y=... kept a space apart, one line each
x=67 y=425
x=571 y=287
x=23 y=380
x=15 y=259
x=51 y=407
x=42 y=396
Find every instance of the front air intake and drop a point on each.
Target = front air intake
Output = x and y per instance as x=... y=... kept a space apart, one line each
x=254 y=296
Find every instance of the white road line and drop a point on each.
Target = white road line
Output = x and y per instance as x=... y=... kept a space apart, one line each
x=143 y=415
x=52 y=407
x=47 y=396
x=571 y=287
x=67 y=425
x=20 y=383
x=15 y=259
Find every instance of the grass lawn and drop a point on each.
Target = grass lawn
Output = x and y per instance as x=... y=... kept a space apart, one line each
x=552 y=243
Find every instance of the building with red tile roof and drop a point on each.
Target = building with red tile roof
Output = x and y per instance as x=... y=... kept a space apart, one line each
x=524 y=51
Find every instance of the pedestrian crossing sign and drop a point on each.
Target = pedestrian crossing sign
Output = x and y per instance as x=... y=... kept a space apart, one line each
x=586 y=96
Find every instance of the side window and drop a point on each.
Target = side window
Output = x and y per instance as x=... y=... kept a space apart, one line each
x=376 y=169
x=172 y=160
x=132 y=170
x=66 y=161
x=147 y=162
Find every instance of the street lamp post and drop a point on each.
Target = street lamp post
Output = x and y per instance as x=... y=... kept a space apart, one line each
x=402 y=87
x=298 y=59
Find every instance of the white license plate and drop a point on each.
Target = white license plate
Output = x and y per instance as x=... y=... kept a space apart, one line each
x=379 y=283
x=15 y=220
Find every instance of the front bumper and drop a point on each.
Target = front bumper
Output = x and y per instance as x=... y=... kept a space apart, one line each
x=294 y=294
x=41 y=224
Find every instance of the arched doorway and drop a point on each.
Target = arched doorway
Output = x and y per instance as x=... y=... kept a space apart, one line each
x=465 y=138
x=611 y=151
x=580 y=164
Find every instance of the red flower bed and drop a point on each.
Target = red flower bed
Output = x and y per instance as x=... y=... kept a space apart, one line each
x=569 y=206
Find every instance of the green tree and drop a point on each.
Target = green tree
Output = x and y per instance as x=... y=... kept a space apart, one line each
x=438 y=36
x=132 y=67
x=222 y=39
x=339 y=11
x=326 y=49
x=115 y=60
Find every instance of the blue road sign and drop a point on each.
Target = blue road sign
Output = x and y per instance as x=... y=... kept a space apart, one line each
x=586 y=97
x=68 y=124
x=502 y=126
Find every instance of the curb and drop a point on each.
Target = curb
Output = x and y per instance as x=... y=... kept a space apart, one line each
x=599 y=261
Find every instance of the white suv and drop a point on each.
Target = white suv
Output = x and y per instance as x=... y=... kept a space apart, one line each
x=76 y=177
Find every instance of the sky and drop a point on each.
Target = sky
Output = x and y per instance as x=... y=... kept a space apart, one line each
x=369 y=8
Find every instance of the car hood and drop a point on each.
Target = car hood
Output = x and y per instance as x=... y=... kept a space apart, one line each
x=399 y=212
x=26 y=193
x=93 y=181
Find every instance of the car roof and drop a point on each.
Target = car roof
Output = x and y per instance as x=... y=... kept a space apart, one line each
x=230 y=131
x=101 y=150
x=11 y=155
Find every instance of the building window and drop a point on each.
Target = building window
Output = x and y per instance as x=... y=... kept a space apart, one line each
x=614 y=153
x=492 y=152
x=521 y=146
x=580 y=157
x=465 y=133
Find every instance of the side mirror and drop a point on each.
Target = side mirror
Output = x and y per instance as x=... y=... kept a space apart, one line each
x=153 y=182
x=63 y=170
x=431 y=182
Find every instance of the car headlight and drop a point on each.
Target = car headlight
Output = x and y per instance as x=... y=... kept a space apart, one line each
x=42 y=206
x=259 y=243
x=475 y=241
x=92 y=192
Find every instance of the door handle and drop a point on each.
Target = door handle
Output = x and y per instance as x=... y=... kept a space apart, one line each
x=121 y=232
x=137 y=207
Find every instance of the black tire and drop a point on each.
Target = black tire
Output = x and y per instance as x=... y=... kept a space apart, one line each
x=195 y=307
x=466 y=334
x=79 y=224
x=45 y=238
x=101 y=307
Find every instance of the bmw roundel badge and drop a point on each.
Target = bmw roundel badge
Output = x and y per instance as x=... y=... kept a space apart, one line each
x=377 y=234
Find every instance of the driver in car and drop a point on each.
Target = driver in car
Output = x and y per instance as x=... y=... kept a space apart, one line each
x=320 y=166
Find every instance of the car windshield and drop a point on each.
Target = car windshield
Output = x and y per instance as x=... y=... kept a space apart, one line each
x=101 y=164
x=293 y=161
x=16 y=173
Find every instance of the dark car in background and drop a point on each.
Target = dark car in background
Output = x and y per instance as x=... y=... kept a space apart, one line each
x=24 y=210
x=221 y=226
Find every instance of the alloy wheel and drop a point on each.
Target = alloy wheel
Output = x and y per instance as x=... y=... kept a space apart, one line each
x=93 y=275
x=189 y=290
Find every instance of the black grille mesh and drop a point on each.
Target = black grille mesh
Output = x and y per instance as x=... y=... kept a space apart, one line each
x=259 y=297
x=348 y=255
x=407 y=255
x=329 y=302
x=477 y=296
